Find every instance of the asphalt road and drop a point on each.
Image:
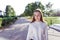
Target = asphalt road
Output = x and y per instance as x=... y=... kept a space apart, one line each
x=17 y=31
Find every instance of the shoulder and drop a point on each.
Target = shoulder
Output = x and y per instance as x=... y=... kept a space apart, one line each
x=30 y=24
x=45 y=24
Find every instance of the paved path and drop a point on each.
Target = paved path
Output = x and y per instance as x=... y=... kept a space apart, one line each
x=18 y=31
x=53 y=34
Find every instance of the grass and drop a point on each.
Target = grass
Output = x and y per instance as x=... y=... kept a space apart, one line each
x=0 y=21
x=50 y=20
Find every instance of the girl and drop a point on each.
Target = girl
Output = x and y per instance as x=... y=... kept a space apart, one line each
x=37 y=28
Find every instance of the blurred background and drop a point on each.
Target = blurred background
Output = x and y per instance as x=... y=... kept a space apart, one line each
x=11 y=8
x=17 y=12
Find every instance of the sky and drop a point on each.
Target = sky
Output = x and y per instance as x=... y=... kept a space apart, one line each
x=19 y=5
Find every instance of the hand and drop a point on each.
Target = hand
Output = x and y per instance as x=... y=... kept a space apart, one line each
x=31 y=39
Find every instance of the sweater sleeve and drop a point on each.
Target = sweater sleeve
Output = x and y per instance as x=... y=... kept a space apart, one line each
x=30 y=33
x=46 y=33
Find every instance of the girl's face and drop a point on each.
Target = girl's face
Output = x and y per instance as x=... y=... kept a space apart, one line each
x=37 y=16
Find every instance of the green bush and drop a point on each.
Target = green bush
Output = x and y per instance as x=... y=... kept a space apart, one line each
x=8 y=20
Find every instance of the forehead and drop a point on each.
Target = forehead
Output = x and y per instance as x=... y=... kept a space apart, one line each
x=36 y=13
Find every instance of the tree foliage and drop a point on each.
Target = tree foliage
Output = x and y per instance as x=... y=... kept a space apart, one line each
x=48 y=10
x=10 y=11
x=31 y=7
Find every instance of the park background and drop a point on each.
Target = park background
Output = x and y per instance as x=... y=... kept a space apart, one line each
x=14 y=13
x=8 y=15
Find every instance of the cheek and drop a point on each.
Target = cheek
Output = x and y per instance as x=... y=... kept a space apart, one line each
x=38 y=16
x=35 y=17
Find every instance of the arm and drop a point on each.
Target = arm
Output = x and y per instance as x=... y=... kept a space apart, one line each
x=46 y=33
x=30 y=33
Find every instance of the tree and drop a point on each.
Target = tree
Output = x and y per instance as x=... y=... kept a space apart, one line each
x=56 y=13
x=10 y=11
x=48 y=10
x=31 y=7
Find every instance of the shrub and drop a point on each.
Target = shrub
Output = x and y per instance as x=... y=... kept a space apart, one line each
x=8 y=20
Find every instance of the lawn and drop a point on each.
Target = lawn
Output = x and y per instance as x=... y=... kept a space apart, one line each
x=50 y=20
x=0 y=21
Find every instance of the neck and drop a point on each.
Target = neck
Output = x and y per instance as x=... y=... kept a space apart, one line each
x=37 y=20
